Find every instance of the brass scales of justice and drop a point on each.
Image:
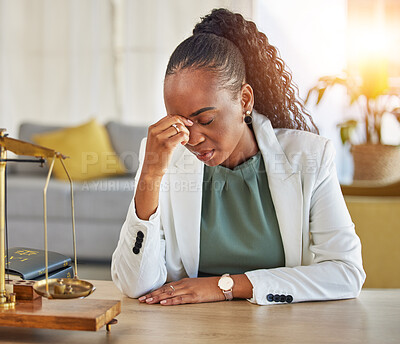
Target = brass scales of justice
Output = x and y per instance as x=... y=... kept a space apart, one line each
x=38 y=304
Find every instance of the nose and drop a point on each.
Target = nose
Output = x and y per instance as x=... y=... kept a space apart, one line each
x=195 y=136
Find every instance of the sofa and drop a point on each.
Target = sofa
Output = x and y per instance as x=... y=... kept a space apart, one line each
x=100 y=205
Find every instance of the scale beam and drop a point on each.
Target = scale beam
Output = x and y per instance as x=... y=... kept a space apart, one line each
x=19 y=147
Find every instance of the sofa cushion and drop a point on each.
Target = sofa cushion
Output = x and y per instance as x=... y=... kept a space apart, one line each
x=95 y=240
x=25 y=197
x=103 y=199
x=11 y=167
x=96 y=200
x=125 y=140
x=89 y=148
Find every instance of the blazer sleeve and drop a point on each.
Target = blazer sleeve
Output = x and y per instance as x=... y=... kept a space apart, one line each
x=337 y=271
x=138 y=263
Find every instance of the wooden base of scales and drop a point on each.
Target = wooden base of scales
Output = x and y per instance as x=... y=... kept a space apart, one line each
x=33 y=310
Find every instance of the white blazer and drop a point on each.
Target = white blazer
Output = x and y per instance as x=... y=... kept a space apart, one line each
x=322 y=251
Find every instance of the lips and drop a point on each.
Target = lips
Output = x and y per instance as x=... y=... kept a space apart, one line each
x=205 y=155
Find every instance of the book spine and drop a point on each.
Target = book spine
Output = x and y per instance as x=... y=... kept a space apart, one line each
x=61 y=273
x=52 y=267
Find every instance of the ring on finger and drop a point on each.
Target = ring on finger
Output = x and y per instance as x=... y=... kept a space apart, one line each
x=172 y=287
x=176 y=128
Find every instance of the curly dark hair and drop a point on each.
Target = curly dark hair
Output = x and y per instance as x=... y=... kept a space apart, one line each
x=226 y=43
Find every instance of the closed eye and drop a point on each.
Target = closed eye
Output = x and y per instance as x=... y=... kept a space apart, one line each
x=209 y=122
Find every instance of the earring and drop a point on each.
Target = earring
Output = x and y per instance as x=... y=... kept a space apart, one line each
x=248 y=118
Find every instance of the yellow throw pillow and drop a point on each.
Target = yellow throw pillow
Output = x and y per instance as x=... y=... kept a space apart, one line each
x=89 y=150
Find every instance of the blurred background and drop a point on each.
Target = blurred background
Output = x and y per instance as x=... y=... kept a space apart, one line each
x=64 y=62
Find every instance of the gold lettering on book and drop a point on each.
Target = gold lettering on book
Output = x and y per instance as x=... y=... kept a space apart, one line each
x=21 y=255
x=26 y=252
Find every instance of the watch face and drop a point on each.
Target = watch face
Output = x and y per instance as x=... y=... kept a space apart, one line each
x=225 y=283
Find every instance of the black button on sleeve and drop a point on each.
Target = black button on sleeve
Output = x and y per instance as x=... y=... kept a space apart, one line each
x=136 y=250
x=276 y=298
x=140 y=234
x=270 y=297
x=282 y=298
x=138 y=244
x=289 y=298
x=139 y=239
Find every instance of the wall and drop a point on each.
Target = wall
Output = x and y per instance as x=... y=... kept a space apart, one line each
x=65 y=61
x=311 y=36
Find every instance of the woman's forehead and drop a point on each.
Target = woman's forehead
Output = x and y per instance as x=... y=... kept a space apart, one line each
x=196 y=88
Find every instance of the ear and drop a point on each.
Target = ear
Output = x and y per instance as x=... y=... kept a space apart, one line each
x=247 y=97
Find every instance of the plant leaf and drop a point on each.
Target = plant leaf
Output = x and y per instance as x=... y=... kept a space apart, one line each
x=349 y=123
x=344 y=134
x=321 y=92
x=353 y=97
x=309 y=94
x=346 y=130
x=396 y=113
x=340 y=81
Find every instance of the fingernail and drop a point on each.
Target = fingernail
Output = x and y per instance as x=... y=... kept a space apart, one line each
x=163 y=302
x=142 y=298
x=149 y=299
x=189 y=121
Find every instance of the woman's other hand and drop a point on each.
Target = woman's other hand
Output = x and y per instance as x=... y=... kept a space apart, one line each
x=187 y=290
x=163 y=137
x=197 y=290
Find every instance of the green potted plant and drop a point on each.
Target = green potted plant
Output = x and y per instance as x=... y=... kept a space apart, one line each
x=373 y=160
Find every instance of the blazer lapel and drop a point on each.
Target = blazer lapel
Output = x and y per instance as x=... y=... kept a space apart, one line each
x=186 y=184
x=285 y=187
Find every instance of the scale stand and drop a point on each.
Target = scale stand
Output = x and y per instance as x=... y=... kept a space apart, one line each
x=50 y=303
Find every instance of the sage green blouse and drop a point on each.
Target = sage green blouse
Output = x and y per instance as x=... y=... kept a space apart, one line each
x=239 y=229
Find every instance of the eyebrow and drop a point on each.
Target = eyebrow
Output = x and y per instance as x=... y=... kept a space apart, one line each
x=198 y=112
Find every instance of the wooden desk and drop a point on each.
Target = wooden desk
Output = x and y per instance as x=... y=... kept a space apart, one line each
x=372 y=318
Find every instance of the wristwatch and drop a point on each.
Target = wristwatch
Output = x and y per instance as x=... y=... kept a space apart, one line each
x=226 y=283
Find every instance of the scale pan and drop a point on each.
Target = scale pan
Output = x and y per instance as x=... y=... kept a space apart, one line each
x=78 y=288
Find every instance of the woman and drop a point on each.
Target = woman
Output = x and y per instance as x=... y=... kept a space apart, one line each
x=235 y=198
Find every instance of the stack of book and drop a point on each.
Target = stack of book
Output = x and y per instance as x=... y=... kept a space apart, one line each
x=29 y=264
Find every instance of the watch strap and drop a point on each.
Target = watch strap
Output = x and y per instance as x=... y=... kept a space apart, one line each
x=228 y=295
